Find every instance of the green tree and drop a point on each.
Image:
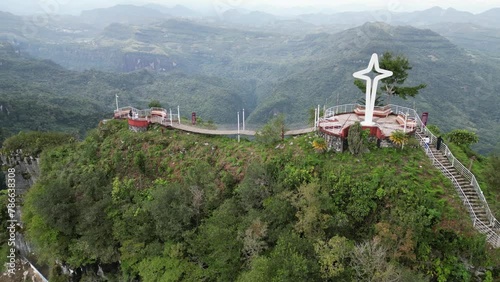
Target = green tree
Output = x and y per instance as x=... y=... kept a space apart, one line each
x=273 y=131
x=255 y=187
x=379 y=100
x=393 y=85
x=333 y=256
x=217 y=246
x=309 y=201
x=357 y=139
x=289 y=261
x=140 y=161
x=434 y=129
x=462 y=137
x=154 y=104
x=170 y=209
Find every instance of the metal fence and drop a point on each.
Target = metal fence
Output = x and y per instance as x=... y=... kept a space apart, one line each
x=156 y=115
x=484 y=228
x=487 y=228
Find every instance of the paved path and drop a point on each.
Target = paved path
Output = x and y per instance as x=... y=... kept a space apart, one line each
x=160 y=116
x=198 y=130
x=193 y=129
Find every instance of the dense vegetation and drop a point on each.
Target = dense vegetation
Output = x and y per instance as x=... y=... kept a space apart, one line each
x=175 y=206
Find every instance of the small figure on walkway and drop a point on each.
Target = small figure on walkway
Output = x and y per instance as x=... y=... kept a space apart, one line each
x=439 y=141
x=427 y=141
x=130 y=113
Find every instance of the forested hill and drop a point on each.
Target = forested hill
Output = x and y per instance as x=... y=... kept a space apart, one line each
x=40 y=95
x=266 y=72
x=173 y=206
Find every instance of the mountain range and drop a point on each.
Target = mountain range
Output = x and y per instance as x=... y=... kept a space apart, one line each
x=268 y=64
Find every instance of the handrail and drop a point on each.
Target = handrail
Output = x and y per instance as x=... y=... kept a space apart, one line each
x=492 y=236
x=339 y=109
x=467 y=174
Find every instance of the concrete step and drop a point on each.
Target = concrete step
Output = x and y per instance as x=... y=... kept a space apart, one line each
x=471 y=196
x=467 y=187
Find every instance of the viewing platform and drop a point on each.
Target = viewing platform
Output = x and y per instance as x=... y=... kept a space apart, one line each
x=337 y=120
x=139 y=120
x=335 y=123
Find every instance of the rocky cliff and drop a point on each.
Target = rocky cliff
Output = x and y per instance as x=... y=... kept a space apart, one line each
x=27 y=171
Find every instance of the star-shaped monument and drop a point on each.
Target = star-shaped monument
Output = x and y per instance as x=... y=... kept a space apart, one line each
x=371 y=88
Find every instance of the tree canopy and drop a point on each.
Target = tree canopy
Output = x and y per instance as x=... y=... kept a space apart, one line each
x=393 y=85
x=245 y=211
x=462 y=137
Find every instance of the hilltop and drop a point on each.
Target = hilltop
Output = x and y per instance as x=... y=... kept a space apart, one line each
x=173 y=205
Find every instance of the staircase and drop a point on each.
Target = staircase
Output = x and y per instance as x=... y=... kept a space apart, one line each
x=467 y=187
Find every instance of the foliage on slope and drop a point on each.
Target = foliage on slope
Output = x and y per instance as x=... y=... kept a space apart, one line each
x=175 y=206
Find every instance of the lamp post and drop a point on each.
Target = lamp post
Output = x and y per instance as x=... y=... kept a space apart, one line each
x=179 y=114
x=116 y=97
x=238 y=126
x=243 y=119
x=324 y=107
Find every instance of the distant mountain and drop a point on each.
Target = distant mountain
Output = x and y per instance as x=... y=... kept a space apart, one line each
x=176 y=11
x=490 y=18
x=126 y=14
x=434 y=15
x=253 y=18
x=471 y=36
x=349 y=19
x=290 y=73
x=418 y=18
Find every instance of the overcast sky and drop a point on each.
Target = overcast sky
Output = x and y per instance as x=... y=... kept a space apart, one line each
x=75 y=6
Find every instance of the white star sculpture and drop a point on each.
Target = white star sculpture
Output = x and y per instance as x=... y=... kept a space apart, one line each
x=371 y=89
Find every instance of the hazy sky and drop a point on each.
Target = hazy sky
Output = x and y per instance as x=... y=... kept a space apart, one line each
x=75 y=6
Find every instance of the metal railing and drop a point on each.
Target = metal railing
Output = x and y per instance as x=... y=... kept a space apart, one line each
x=340 y=109
x=460 y=168
x=488 y=229
x=491 y=235
x=166 y=117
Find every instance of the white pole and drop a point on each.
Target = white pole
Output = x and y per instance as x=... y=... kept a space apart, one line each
x=170 y=116
x=319 y=112
x=406 y=120
x=238 y=126
x=243 y=119
x=315 y=116
x=116 y=97
x=179 y=114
